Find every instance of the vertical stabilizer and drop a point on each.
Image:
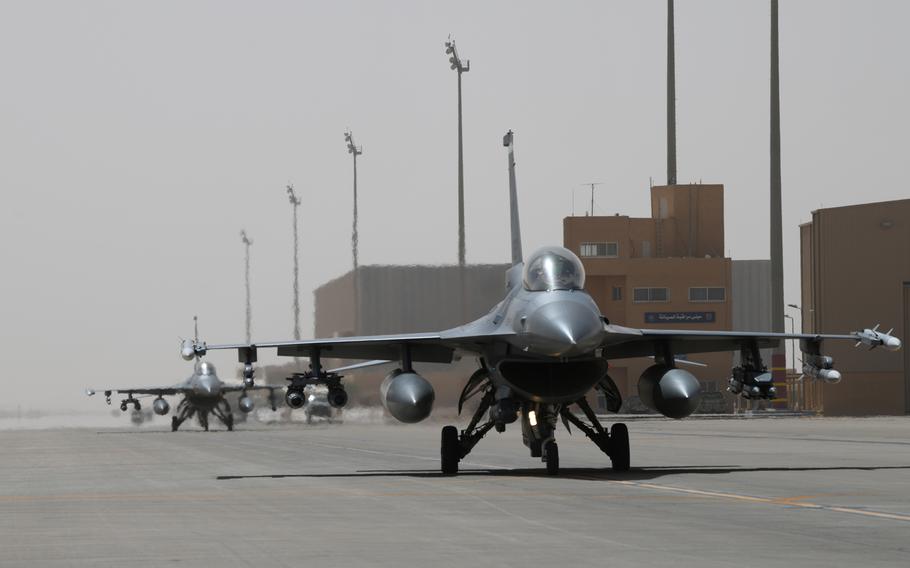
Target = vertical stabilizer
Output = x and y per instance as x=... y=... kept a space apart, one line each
x=517 y=257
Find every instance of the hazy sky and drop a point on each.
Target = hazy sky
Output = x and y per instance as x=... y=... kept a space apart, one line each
x=138 y=138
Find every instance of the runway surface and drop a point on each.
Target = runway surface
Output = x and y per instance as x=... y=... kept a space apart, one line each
x=778 y=492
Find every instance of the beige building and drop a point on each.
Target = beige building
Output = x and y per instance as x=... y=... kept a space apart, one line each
x=663 y=271
x=408 y=299
x=855 y=265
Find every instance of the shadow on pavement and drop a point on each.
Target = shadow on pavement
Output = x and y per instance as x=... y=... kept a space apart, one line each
x=585 y=474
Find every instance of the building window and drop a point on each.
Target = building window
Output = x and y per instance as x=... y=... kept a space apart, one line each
x=707 y=294
x=605 y=250
x=642 y=295
x=617 y=293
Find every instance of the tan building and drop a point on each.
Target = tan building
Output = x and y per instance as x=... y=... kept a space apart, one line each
x=855 y=264
x=663 y=271
x=408 y=299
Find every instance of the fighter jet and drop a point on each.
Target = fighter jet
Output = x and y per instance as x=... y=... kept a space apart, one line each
x=203 y=394
x=540 y=351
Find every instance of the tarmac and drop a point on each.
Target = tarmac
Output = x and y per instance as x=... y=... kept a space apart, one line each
x=782 y=492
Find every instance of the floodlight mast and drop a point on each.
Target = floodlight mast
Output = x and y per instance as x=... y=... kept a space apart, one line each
x=246 y=270
x=295 y=203
x=456 y=64
x=354 y=150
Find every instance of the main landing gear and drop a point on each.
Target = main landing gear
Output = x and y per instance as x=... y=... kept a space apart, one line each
x=538 y=424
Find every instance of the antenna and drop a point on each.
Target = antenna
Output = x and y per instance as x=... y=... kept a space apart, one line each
x=295 y=203
x=592 y=184
x=196 y=329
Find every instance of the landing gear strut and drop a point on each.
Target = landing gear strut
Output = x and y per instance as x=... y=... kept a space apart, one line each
x=454 y=446
x=184 y=410
x=614 y=443
x=223 y=412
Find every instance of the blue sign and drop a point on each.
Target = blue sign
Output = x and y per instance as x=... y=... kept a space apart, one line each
x=679 y=317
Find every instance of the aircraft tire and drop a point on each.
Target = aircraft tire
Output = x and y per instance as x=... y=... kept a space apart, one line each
x=552 y=459
x=619 y=442
x=174 y=424
x=450 y=451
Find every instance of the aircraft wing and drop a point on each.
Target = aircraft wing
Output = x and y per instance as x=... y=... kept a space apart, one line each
x=238 y=388
x=625 y=342
x=154 y=391
x=439 y=347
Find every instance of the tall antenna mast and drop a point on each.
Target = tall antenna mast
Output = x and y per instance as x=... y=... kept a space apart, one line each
x=671 y=97
x=295 y=203
x=354 y=151
x=777 y=246
x=249 y=310
x=592 y=184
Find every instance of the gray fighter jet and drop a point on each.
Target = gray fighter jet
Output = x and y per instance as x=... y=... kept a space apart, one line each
x=539 y=351
x=203 y=394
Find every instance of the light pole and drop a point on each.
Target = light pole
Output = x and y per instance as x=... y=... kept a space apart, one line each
x=246 y=271
x=461 y=67
x=792 y=351
x=801 y=323
x=354 y=151
x=295 y=203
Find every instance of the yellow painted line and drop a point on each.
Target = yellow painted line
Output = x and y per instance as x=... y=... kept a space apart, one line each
x=796 y=501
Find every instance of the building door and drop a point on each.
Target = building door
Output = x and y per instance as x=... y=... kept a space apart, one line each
x=906 y=350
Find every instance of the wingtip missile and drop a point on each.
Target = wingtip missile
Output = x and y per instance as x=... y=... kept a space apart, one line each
x=874 y=338
x=191 y=349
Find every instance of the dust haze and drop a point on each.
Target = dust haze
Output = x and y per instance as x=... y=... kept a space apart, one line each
x=139 y=138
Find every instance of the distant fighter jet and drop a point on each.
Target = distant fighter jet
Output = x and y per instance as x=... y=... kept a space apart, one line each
x=540 y=350
x=203 y=393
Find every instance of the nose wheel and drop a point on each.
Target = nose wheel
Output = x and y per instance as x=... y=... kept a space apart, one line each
x=551 y=457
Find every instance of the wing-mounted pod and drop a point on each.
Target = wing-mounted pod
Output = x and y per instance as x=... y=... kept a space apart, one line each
x=816 y=365
x=295 y=396
x=751 y=379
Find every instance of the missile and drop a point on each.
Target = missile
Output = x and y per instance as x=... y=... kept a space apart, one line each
x=830 y=376
x=875 y=338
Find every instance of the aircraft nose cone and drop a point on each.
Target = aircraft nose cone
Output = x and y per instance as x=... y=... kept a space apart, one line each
x=208 y=388
x=564 y=328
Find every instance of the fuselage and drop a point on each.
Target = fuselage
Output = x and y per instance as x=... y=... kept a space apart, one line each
x=552 y=329
x=204 y=388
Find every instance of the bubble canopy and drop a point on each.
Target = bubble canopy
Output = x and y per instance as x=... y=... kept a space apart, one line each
x=553 y=268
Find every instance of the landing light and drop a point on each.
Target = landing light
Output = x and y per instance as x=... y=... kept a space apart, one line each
x=311 y=398
x=532 y=418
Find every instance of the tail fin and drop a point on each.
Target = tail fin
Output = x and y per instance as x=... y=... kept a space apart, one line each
x=517 y=257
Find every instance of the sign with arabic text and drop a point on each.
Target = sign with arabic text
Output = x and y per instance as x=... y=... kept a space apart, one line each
x=679 y=317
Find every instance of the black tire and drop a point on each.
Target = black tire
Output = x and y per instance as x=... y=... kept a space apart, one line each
x=552 y=459
x=450 y=451
x=230 y=424
x=174 y=424
x=619 y=445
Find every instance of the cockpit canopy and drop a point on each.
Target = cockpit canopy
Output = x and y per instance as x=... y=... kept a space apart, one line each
x=553 y=268
x=206 y=368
